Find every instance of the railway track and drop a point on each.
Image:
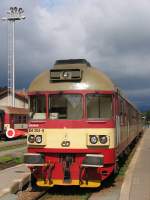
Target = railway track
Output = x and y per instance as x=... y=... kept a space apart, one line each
x=55 y=194
x=13 y=143
x=72 y=193
x=67 y=194
x=30 y=195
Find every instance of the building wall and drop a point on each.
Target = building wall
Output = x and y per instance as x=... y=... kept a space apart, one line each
x=18 y=103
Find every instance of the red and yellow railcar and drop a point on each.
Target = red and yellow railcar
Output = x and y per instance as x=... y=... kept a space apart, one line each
x=13 y=122
x=80 y=123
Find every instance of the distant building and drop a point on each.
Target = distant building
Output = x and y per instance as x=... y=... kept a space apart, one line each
x=21 y=100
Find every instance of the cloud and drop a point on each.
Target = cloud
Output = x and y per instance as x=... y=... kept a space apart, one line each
x=112 y=35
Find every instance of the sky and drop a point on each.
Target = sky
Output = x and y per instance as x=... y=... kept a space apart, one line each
x=113 y=35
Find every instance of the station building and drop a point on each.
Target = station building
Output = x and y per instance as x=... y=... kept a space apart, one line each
x=21 y=100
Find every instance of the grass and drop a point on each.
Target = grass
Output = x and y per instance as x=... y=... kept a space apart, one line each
x=15 y=158
x=5 y=159
x=19 y=160
x=10 y=161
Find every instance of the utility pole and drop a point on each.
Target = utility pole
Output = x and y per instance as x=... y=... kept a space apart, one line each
x=13 y=15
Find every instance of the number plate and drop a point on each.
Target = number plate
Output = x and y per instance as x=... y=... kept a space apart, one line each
x=36 y=130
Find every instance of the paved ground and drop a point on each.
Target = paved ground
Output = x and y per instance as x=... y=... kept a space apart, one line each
x=136 y=185
x=109 y=194
x=9 y=197
x=11 y=179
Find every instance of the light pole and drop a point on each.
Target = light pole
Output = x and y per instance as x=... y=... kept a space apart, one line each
x=13 y=15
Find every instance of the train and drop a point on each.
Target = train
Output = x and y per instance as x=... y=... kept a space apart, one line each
x=13 y=122
x=80 y=124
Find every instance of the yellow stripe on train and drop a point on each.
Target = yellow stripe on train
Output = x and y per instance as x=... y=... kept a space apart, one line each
x=90 y=183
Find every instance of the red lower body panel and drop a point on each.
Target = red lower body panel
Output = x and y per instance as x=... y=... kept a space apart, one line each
x=58 y=164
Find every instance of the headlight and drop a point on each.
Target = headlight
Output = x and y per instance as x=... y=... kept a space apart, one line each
x=103 y=139
x=93 y=139
x=31 y=138
x=38 y=139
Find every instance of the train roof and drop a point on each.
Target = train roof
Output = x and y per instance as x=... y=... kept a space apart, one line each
x=81 y=76
x=14 y=110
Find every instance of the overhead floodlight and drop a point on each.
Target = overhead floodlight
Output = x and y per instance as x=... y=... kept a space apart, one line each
x=15 y=9
x=23 y=17
x=20 y=10
x=11 y=9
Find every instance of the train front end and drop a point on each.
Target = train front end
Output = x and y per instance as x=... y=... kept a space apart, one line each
x=71 y=135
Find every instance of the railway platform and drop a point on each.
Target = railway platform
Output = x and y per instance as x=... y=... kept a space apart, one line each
x=12 y=179
x=136 y=185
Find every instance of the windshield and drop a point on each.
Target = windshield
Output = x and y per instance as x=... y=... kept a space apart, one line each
x=65 y=106
x=38 y=107
x=99 y=106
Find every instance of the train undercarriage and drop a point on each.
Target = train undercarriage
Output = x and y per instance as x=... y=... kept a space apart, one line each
x=84 y=170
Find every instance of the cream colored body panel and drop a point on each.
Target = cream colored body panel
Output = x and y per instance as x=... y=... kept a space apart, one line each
x=93 y=79
x=20 y=126
x=53 y=138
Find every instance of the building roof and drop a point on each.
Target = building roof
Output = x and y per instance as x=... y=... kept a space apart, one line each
x=14 y=110
x=20 y=94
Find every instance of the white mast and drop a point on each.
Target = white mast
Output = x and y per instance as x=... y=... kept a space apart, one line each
x=13 y=15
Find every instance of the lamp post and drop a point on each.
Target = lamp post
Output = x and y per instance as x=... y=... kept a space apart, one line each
x=14 y=14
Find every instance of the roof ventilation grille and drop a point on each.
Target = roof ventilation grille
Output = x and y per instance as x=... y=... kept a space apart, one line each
x=73 y=61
